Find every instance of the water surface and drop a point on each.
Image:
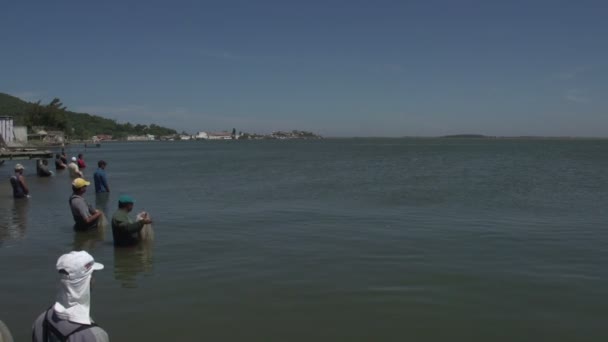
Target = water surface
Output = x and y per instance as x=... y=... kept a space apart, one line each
x=335 y=240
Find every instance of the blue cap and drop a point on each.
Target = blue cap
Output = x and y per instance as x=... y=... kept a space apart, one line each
x=126 y=199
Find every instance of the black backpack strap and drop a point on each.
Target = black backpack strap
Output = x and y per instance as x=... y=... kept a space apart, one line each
x=46 y=326
x=81 y=328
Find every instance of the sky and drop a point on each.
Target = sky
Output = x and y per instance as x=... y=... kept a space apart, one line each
x=337 y=68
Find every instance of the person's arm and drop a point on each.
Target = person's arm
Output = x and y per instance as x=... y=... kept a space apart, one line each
x=104 y=181
x=37 y=328
x=93 y=217
x=92 y=210
x=124 y=224
x=26 y=190
x=88 y=214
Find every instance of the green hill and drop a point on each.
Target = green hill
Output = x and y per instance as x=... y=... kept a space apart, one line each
x=75 y=125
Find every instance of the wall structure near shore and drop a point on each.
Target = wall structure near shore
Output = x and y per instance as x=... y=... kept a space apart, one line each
x=20 y=134
x=6 y=129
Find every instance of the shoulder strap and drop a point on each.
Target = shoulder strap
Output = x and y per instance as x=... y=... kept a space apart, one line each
x=81 y=328
x=46 y=326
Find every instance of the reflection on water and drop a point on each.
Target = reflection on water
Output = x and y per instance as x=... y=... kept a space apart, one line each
x=129 y=262
x=14 y=224
x=101 y=202
x=88 y=240
x=364 y=240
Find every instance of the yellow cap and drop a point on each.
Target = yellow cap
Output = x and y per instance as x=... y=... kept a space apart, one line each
x=80 y=183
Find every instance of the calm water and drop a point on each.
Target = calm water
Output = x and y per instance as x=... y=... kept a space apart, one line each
x=336 y=240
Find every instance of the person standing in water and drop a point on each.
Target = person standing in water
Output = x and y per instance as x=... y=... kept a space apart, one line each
x=81 y=164
x=125 y=231
x=100 y=178
x=69 y=319
x=64 y=157
x=42 y=168
x=20 y=189
x=74 y=169
x=85 y=216
x=59 y=163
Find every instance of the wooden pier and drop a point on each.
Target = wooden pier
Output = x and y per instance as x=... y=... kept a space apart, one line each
x=25 y=154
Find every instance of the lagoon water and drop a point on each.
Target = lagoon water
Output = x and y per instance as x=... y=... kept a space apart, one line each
x=334 y=240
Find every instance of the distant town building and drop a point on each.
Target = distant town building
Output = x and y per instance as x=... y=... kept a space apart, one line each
x=7 y=134
x=201 y=135
x=146 y=137
x=54 y=137
x=214 y=136
x=220 y=136
x=102 y=137
x=12 y=135
x=45 y=136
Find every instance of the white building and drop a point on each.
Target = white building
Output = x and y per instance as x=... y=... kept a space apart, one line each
x=220 y=136
x=12 y=135
x=147 y=137
x=201 y=135
x=214 y=136
x=6 y=129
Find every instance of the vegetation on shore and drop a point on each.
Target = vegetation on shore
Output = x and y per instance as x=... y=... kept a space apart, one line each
x=55 y=116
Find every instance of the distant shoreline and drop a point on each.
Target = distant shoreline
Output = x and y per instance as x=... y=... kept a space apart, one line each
x=479 y=138
x=357 y=137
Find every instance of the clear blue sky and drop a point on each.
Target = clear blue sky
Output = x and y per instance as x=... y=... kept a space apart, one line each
x=340 y=68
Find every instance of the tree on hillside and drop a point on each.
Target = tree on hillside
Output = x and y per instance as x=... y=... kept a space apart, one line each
x=52 y=116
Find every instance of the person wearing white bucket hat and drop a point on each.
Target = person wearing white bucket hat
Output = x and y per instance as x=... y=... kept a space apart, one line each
x=69 y=318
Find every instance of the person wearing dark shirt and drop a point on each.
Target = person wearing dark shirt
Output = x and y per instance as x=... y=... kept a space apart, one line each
x=64 y=157
x=59 y=163
x=42 y=168
x=125 y=231
x=100 y=178
x=81 y=163
x=20 y=189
